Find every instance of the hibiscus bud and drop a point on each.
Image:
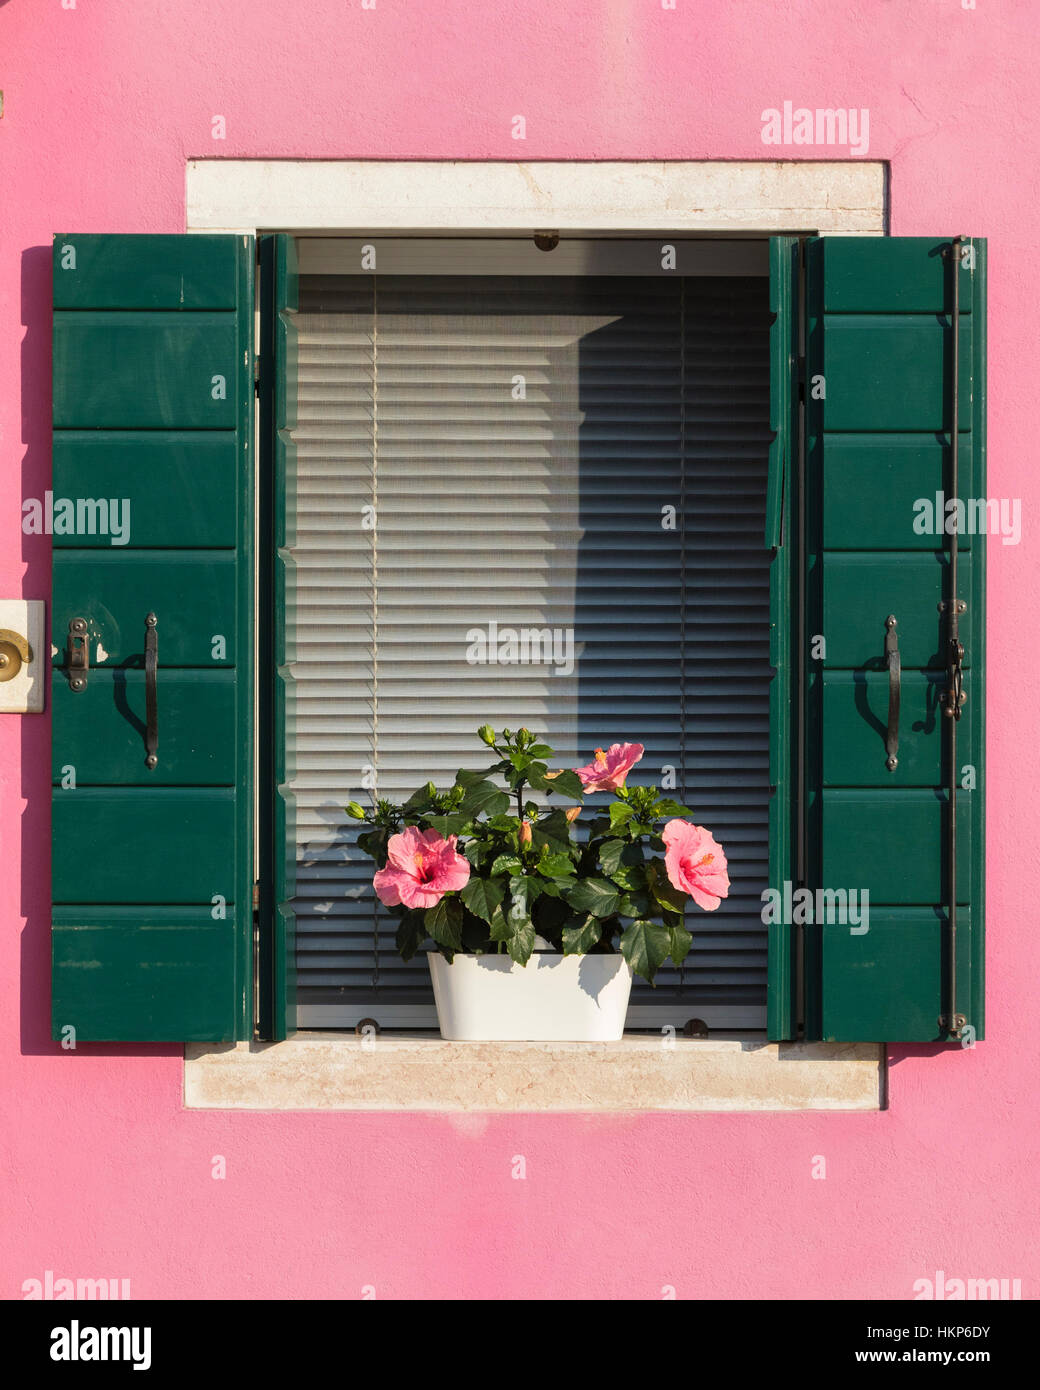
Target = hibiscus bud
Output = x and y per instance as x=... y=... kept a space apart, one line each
x=356 y=811
x=573 y=814
x=487 y=734
x=525 y=834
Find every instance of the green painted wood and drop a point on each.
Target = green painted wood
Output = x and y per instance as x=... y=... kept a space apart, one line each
x=145 y=271
x=192 y=593
x=145 y=370
x=872 y=487
x=855 y=721
x=907 y=945
x=860 y=590
x=99 y=731
x=277 y=918
x=126 y=973
x=180 y=490
x=885 y=372
x=973 y=751
x=889 y=842
x=145 y=845
x=781 y=537
x=148 y=864
x=877 y=321
x=877 y=275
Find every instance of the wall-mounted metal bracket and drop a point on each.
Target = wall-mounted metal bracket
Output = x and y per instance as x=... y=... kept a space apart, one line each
x=953 y=1027
x=77 y=654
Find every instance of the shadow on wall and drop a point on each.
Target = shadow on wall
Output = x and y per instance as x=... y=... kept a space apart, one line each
x=35 y=982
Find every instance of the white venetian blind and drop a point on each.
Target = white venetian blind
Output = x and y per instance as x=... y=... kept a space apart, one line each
x=585 y=454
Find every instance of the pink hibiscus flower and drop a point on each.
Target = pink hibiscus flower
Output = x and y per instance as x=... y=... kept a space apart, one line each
x=421 y=866
x=695 y=863
x=608 y=770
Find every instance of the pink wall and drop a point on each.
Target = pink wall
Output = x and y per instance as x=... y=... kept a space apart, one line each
x=111 y=1177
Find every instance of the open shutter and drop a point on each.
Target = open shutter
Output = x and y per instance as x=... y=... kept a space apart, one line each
x=152 y=738
x=279 y=303
x=880 y=416
x=781 y=539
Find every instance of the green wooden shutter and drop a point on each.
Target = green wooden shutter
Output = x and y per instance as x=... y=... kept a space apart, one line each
x=279 y=298
x=152 y=867
x=879 y=416
x=781 y=538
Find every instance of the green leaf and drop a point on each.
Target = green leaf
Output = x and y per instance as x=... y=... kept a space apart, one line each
x=681 y=943
x=478 y=850
x=610 y=855
x=422 y=797
x=631 y=877
x=523 y=890
x=540 y=750
x=411 y=933
x=635 y=904
x=579 y=940
x=444 y=923
x=552 y=830
x=555 y=887
x=465 y=777
x=668 y=807
x=620 y=815
x=483 y=895
x=596 y=895
x=484 y=797
x=555 y=865
x=373 y=843
x=565 y=783
x=501 y=927
x=645 y=945
x=448 y=825
x=507 y=864
x=521 y=943
x=665 y=894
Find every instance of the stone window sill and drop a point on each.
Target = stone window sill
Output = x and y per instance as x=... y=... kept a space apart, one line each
x=420 y=1071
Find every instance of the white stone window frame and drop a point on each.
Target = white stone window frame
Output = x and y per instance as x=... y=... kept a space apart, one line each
x=455 y=197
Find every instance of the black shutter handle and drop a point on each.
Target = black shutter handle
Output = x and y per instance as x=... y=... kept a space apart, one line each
x=894 y=675
x=151 y=693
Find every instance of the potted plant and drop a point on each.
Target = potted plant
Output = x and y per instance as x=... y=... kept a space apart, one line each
x=540 y=919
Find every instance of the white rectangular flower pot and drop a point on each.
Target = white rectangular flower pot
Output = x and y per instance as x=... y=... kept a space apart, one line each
x=553 y=998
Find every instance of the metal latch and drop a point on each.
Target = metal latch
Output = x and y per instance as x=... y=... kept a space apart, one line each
x=77 y=654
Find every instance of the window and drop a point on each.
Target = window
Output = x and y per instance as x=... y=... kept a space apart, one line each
x=575 y=451
x=153 y=866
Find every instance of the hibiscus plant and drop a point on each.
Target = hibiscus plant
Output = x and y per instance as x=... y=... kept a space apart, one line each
x=479 y=868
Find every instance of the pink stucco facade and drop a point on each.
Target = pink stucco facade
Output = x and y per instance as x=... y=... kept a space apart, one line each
x=106 y=1174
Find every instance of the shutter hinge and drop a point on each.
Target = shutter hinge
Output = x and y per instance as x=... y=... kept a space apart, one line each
x=256 y=375
x=256 y=897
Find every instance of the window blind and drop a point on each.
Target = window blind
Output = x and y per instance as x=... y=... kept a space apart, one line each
x=582 y=454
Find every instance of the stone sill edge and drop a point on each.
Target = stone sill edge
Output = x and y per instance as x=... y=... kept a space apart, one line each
x=740 y=1074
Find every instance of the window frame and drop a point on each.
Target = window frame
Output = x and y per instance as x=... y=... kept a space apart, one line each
x=407 y=198
x=475 y=255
